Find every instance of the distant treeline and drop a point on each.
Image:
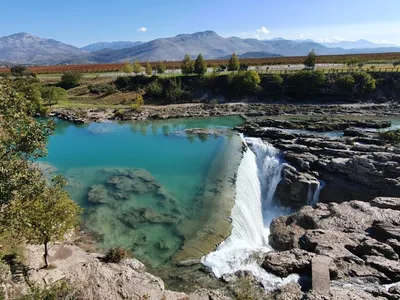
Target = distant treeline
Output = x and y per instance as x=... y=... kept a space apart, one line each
x=301 y=85
x=216 y=63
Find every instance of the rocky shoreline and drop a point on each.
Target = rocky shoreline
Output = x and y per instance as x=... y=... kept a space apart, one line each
x=84 y=115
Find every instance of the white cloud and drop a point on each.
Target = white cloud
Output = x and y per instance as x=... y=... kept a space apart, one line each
x=142 y=29
x=332 y=39
x=262 y=30
x=257 y=36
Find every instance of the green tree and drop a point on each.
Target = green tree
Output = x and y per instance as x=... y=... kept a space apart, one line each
x=396 y=63
x=71 y=79
x=18 y=70
x=233 y=63
x=360 y=65
x=187 y=65
x=52 y=95
x=137 y=68
x=251 y=81
x=351 y=63
x=44 y=218
x=200 y=66
x=161 y=68
x=311 y=60
x=127 y=68
x=149 y=69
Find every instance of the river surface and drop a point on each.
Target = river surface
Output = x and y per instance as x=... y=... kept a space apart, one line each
x=138 y=181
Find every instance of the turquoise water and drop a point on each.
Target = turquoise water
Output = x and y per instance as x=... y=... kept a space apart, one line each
x=137 y=181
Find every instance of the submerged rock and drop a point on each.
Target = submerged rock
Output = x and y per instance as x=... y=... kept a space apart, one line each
x=98 y=194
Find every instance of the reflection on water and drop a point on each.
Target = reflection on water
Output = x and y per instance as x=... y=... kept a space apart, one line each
x=138 y=181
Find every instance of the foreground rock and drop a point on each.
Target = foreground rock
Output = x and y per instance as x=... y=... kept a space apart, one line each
x=362 y=240
x=91 y=278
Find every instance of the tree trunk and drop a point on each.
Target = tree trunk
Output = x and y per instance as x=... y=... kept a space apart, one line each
x=46 y=255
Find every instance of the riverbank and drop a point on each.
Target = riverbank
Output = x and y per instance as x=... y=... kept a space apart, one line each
x=148 y=112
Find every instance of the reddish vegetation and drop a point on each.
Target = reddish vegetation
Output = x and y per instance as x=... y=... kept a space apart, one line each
x=292 y=60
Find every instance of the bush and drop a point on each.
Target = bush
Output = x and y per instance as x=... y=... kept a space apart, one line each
x=174 y=92
x=305 y=83
x=18 y=70
x=116 y=255
x=345 y=83
x=390 y=137
x=71 y=79
x=251 y=81
x=272 y=84
x=138 y=102
x=364 y=83
x=104 y=88
x=155 y=89
x=52 y=95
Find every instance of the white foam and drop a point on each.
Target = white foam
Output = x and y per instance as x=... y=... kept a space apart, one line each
x=251 y=216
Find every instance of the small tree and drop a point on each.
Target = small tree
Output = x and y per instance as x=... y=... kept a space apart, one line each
x=52 y=95
x=18 y=70
x=187 y=65
x=127 y=68
x=233 y=64
x=200 y=66
x=251 y=81
x=360 y=65
x=44 y=218
x=311 y=59
x=137 y=68
x=71 y=79
x=396 y=63
x=161 y=68
x=137 y=102
x=149 y=69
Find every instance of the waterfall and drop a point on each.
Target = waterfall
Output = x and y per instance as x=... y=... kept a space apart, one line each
x=251 y=216
x=313 y=198
x=320 y=186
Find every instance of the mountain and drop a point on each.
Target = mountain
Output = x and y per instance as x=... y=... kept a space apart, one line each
x=253 y=55
x=360 y=44
x=110 y=45
x=210 y=44
x=24 y=48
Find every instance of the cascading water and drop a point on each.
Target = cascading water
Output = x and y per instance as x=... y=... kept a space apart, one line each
x=313 y=197
x=251 y=216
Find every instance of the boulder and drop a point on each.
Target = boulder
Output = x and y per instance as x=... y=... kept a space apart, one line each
x=285 y=263
x=296 y=189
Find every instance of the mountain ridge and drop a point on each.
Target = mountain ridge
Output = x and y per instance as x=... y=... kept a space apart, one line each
x=25 y=48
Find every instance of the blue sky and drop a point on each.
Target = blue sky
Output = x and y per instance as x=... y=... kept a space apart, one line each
x=81 y=22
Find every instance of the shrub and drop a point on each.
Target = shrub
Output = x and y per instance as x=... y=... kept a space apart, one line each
x=174 y=92
x=120 y=113
x=71 y=79
x=18 y=70
x=116 y=255
x=104 y=88
x=364 y=83
x=127 y=68
x=305 y=83
x=137 y=102
x=155 y=89
x=390 y=137
x=161 y=68
x=251 y=81
x=272 y=84
x=52 y=95
x=345 y=83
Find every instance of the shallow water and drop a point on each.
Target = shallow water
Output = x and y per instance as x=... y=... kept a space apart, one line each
x=137 y=181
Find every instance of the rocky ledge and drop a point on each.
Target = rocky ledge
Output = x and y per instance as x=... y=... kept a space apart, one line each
x=361 y=239
x=352 y=164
